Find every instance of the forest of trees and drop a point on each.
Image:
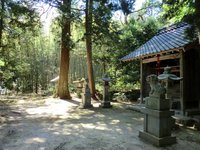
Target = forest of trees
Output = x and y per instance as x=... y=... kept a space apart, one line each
x=86 y=40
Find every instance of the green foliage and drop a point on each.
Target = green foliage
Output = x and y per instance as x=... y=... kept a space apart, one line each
x=126 y=6
x=125 y=75
x=111 y=42
x=16 y=15
x=183 y=10
x=150 y=8
x=16 y=18
x=30 y=59
x=176 y=10
x=2 y=63
x=119 y=97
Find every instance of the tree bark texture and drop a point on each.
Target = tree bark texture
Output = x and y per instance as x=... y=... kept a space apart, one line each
x=63 y=89
x=1 y=21
x=88 y=27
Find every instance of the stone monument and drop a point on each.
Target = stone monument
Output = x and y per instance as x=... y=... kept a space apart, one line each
x=106 y=100
x=79 y=86
x=86 y=96
x=157 y=120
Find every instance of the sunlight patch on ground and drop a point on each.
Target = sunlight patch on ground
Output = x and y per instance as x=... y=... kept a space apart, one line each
x=52 y=107
x=21 y=101
x=35 y=140
x=56 y=133
x=114 y=122
x=88 y=125
x=102 y=126
x=96 y=104
x=139 y=119
x=99 y=115
x=119 y=131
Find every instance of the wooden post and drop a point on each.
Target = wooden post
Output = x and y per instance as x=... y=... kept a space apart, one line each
x=182 y=97
x=141 y=82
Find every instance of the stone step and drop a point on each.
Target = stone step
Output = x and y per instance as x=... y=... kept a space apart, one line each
x=189 y=112
x=189 y=121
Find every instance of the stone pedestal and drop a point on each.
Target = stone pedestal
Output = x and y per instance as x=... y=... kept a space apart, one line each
x=157 y=103
x=157 y=122
x=106 y=100
x=106 y=104
x=86 y=98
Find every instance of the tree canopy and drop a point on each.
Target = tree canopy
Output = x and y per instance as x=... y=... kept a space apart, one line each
x=183 y=10
x=30 y=58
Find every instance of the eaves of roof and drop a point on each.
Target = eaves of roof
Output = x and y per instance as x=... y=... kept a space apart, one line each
x=166 y=39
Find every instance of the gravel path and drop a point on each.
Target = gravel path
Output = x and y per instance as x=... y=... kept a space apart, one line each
x=54 y=124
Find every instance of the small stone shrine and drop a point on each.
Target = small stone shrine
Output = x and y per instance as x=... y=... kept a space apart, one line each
x=86 y=96
x=157 y=120
x=79 y=86
x=106 y=100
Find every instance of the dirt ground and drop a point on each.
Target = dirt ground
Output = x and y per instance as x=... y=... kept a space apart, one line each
x=36 y=123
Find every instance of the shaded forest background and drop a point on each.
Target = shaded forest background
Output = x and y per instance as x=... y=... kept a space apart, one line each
x=30 y=57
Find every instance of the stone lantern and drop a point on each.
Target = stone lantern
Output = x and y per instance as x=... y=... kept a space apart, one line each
x=168 y=79
x=79 y=86
x=86 y=96
x=106 y=100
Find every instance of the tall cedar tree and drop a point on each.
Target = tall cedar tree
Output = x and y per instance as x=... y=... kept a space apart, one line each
x=63 y=89
x=1 y=20
x=88 y=28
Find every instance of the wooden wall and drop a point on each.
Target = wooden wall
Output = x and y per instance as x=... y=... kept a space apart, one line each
x=192 y=78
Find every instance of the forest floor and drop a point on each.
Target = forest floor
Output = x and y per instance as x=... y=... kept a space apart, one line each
x=38 y=123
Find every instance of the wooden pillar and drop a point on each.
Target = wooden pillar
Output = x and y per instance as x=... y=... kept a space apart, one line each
x=182 y=86
x=198 y=71
x=141 y=82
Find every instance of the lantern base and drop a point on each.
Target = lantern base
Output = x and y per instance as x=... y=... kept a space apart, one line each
x=105 y=104
x=82 y=106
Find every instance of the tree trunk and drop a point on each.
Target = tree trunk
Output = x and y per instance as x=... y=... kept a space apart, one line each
x=1 y=21
x=88 y=27
x=126 y=19
x=36 y=82
x=63 y=89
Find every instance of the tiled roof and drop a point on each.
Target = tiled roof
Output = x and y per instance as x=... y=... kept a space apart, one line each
x=168 y=38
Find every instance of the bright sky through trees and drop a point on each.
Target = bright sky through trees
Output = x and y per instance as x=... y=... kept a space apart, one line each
x=120 y=16
x=48 y=13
